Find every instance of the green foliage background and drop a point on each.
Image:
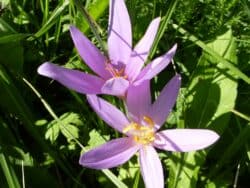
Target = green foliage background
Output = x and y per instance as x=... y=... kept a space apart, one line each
x=44 y=127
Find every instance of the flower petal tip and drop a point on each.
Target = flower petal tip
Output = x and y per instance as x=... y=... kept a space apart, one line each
x=44 y=68
x=214 y=137
x=175 y=46
x=72 y=28
x=178 y=76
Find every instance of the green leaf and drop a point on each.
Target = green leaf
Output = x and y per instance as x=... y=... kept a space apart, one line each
x=68 y=125
x=129 y=171
x=26 y=158
x=52 y=132
x=12 y=56
x=41 y=122
x=184 y=168
x=96 y=139
x=209 y=99
x=219 y=57
x=70 y=132
x=90 y=21
x=12 y=38
x=95 y=10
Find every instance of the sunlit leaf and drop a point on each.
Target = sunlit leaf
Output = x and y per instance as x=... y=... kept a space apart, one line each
x=209 y=99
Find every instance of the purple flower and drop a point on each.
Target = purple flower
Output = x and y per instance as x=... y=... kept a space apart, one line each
x=123 y=67
x=141 y=128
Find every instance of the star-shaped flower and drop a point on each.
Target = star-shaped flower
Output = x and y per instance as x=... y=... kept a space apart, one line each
x=141 y=130
x=123 y=67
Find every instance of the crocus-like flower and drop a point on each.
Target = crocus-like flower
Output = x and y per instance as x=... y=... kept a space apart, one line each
x=141 y=130
x=123 y=67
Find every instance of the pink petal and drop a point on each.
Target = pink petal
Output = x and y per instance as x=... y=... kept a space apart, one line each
x=89 y=53
x=109 y=155
x=115 y=86
x=156 y=66
x=109 y=113
x=138 y=100
x=73 y=79
x=141 y=50
x=165 y=102
x=120 y=36
x=185 y=140
x=151 y=167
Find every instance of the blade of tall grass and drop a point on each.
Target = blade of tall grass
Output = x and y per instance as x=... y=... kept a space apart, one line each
x=8 y=171
x=137 y=178
x=213 y=53
x=5 y=27
x=12 y=38
x=52 y=19
x=107 y=172
x=163 y=26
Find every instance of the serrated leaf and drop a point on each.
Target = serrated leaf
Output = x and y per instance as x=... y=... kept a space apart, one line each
x=70 y=131
x=26 y=158
x=67 y=125
x=128 y=171
x=71 y=118
x=96 y=138
x=52 y=132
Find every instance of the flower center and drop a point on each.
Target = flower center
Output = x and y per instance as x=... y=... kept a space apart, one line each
x=142 y=134
x=115 y=72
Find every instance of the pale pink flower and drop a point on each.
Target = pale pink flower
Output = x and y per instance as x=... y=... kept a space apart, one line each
x=123 y=67
x=142 y=135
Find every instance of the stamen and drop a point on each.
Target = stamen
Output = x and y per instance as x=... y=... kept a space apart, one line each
x=149 y=121
x=143 y=134
x=131 y=126
x=115 y=72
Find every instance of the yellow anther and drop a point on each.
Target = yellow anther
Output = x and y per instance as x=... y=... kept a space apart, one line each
x=143 y=134
x=149 y=121
x=131 y=126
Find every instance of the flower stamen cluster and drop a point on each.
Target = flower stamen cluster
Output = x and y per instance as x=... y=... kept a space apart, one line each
x=142 y=134
x=115 y=72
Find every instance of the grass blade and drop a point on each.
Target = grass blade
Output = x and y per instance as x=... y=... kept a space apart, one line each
x=52 y=19
x=8 y=172
x=12 y=38
x=162 y=28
